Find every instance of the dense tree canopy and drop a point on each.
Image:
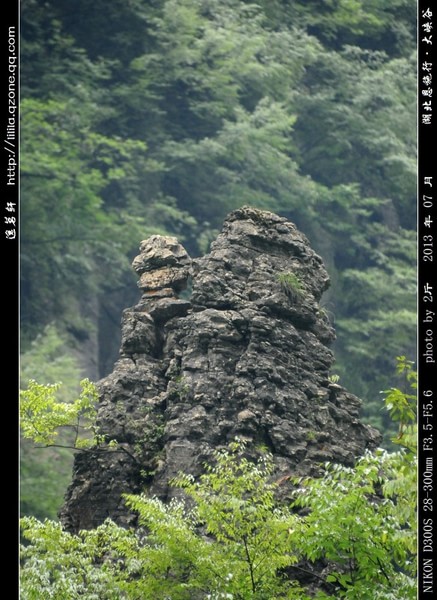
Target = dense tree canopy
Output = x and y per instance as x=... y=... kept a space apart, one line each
x=161 y=116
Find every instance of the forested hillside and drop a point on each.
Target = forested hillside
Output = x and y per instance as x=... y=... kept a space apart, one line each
x=161 y=116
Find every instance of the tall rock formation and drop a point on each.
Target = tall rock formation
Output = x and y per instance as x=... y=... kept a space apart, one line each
x=245 y=354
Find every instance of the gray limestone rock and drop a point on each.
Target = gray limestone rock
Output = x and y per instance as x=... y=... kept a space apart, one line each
x=248 y=355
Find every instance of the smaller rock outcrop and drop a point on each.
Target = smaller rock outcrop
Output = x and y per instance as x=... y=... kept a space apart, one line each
x=164 y=269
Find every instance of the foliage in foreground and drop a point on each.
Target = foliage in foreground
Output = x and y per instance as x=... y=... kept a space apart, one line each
x=45 y=474
x=42 y=415
x=355 y=525
x=230 y=538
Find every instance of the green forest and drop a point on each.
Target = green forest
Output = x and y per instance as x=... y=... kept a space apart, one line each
x=162 y=116
x=347 y=533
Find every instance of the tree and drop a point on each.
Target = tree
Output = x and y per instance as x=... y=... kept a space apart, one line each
x=68 y=235
x=42 y=415
x=235 y=503
x=229 y=537
x=45 y=474
x=359 y=524
x=364 y=519
x=246 y=546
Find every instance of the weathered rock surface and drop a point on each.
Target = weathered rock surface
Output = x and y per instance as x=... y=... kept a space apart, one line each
x=247 y=355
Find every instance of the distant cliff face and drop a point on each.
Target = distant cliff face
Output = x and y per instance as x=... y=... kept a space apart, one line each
x=245 y=354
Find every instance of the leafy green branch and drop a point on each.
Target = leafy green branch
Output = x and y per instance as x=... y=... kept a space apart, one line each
x=402 y=404
x=43 y=416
